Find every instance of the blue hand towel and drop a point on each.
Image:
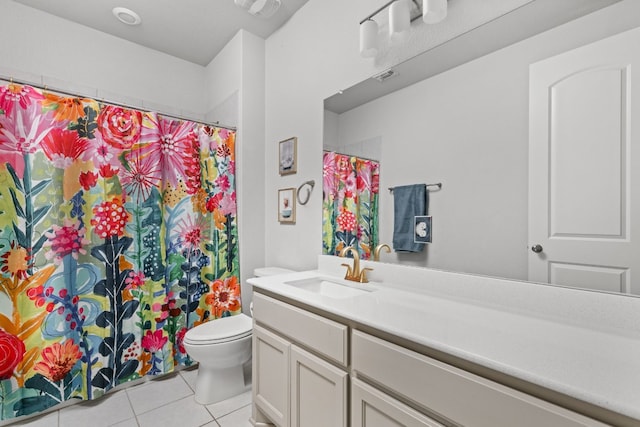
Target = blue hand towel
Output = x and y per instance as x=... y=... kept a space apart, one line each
x=408 y=201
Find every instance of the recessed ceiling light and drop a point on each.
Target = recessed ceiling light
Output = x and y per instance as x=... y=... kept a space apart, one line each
x=126 y=16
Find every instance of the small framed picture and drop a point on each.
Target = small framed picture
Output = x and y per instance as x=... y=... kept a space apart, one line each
x=288 y=154
x=422 y=229
x=287 y=205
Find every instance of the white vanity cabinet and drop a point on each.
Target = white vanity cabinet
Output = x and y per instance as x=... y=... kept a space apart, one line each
x=431 y=348
x=453 y=394
x=292 y=386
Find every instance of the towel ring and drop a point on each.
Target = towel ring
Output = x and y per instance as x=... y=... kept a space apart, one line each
x=311 y=184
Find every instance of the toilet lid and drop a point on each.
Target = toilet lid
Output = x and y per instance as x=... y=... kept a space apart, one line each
x=221 y=330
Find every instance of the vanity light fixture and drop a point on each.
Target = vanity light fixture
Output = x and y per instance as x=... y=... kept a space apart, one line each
x=434 y=11
x=126 y=16
x=369 y=38
x=401 y=14
x=399 y=19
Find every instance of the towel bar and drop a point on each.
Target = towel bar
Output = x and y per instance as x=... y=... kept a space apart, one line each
x=437 y=184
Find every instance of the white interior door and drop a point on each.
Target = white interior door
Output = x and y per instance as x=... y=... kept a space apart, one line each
x=584 y=167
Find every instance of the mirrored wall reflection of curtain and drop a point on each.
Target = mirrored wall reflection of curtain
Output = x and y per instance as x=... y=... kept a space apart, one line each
x=118 y=233
x=350 y=204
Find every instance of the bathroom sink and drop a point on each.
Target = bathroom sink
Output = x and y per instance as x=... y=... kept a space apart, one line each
x=330 y=287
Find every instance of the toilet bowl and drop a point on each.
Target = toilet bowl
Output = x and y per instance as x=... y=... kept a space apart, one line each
x=221 y=347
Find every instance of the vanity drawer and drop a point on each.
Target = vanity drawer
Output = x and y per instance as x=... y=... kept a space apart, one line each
x=322 y=335
x=373 y=408
x=455 y=394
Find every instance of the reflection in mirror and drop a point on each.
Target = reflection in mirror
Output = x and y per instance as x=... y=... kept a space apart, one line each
x=350 y=203
x=562 y=96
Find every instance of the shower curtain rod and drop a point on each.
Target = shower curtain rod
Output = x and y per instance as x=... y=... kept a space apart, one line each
x=116 y=104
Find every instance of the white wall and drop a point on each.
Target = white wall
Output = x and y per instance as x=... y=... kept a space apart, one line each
x=223 y=79
x=307 y=60
x=331 y=137
x=251 y=163
x=40 y=47
x=492 y=175
x=236 y=77
x=466 y=128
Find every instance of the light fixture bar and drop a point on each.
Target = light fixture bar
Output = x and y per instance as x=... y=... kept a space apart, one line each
x=401 y=14
x=386 y=5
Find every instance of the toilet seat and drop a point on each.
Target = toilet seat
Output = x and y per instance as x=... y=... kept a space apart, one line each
x=220 y=330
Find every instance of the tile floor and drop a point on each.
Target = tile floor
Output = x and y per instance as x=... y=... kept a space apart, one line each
x=166 y=401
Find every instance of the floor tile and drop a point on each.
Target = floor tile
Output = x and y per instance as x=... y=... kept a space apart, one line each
x=158 y=393
x=184 y=413
x=190 y=376
x=225 y=407
x=239 y=418
x=131 y=422
x=49 y=420
x=102 y=412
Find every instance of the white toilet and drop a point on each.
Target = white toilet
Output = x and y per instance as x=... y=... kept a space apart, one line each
x=222 y=347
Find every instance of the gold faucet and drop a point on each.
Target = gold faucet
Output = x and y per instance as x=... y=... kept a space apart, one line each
x=354 y=274
x=376 y=251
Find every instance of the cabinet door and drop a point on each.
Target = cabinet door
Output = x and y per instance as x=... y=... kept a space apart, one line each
x=318 y=392
x=373 y=408
x=271 y=375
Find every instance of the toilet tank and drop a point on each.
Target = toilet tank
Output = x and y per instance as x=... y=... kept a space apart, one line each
x=247 y=289
x=270 y=271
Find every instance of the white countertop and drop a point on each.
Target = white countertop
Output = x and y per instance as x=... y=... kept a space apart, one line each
x=600 y=366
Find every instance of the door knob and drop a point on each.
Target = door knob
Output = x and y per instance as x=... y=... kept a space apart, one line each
x=536 y=248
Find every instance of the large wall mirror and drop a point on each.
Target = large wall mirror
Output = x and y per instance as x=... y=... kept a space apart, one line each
x=530 y=123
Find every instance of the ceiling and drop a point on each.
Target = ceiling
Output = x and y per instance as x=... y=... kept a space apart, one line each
x=194 y=30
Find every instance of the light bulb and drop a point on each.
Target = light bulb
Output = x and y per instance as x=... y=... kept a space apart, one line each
x=369 y=38
x=399 y=19
x=434 y=11
x=245 y=4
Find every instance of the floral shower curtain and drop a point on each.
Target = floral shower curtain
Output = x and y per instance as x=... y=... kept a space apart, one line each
x=118 y=233
x=350 y=204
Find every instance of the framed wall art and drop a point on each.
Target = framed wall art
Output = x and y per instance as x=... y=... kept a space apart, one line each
x=287 y=205
x=288 y=156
